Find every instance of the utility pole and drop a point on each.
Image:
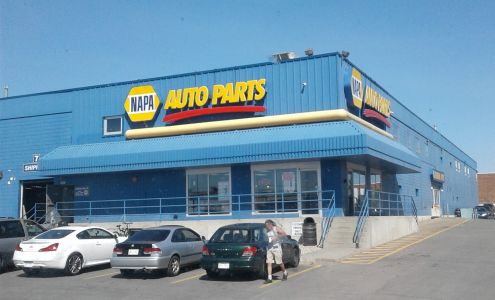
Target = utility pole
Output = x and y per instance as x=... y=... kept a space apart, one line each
x=5 y=91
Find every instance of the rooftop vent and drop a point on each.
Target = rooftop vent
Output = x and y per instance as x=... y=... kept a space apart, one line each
x=309 y=52
x=284 y=56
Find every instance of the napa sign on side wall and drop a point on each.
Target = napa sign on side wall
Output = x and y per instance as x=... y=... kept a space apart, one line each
x=235 y=97
x=364 y=99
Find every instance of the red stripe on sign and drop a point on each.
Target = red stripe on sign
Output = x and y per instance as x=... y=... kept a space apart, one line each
x=368 y=113
x=211 y=111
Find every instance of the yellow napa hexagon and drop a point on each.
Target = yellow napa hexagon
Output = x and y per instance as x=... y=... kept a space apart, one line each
x=142 y=103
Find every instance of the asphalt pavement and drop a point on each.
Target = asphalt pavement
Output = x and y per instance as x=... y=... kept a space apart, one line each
x=455 y=264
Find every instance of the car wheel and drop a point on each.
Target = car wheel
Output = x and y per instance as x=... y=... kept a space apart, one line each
x=126 y=272
x=30 y=271
x=74 y=264
x=296 y=258
x=212 y=274
x=173 y=266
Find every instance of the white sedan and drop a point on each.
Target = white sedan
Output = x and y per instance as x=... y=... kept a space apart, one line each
x=65 y=248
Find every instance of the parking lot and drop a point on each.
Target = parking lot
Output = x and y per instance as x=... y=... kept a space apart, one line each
x=449 y=265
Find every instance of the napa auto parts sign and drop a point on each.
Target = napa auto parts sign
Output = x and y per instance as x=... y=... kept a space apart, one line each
x=190 y=102
x=363 y=99
x=141 y=103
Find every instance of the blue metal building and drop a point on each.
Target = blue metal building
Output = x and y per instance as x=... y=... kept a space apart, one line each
x=240 y=142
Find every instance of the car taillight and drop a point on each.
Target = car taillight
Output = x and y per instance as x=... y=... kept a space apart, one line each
x=249 y=251
x=151 y=250
x=52 y=247
x=205 y=250
x=118 y=251
x=18 y=247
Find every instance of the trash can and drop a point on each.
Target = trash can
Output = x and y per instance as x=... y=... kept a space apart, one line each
x=309 y=232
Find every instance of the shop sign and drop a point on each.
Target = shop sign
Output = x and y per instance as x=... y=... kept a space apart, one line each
x=142 y=103
x=296 y=229
x=33 y=166
x=438 y=176
x=365 y=99
x=81 y=191
x=238 y=97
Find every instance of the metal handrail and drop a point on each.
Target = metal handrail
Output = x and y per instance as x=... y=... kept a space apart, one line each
x=327 y=221
x=195 y=206
x=363 y=216
x=378 y=203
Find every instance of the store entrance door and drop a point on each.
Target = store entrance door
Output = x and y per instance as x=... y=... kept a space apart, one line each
x=436 y=209
x=33 y=199
x=356 y=188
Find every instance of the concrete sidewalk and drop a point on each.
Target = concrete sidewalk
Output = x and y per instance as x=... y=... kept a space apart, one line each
x=331 y=252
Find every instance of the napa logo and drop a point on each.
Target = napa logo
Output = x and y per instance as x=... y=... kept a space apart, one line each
x=364 y=99
x=356 y=86
x=142 y=103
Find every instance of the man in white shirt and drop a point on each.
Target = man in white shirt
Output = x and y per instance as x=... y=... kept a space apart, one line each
x=274 y=249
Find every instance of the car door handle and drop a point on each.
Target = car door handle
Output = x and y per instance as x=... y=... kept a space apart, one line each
x=98 y=244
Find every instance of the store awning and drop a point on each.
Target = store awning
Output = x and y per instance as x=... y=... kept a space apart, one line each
x=308 y=141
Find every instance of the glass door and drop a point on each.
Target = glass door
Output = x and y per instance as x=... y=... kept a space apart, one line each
x=436 y=210
x=309 y=192
x=356 y=181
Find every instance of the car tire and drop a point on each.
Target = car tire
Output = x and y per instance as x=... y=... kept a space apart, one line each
x=296 y=258
x=173 y=266
x=30 y=271
x=212 y=274
x=126 y=272
x=74 y=264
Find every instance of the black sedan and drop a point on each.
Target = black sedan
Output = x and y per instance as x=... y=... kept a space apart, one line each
x=484 y=212
x=242 y=248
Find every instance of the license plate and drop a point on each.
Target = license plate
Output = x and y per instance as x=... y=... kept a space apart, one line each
x=28 y=264
x=133 y=252
x=224 y=266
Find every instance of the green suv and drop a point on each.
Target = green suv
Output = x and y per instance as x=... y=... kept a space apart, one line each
x=242 y=248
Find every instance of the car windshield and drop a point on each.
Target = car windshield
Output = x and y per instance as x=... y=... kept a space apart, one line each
x=54 y=234
x=236 y=235
x=149 y=236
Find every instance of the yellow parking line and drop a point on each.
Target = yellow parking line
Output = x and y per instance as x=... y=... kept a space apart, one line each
x=291 y=275
x=416 y=242
x=188 y=278
x=385 y=250
x=102 y=275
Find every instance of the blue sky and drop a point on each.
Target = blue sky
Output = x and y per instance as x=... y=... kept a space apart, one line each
x=437 y=57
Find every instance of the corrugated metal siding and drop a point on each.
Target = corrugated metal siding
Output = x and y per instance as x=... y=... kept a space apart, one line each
x=435 y=152
x=20 y=138
x=334 y=139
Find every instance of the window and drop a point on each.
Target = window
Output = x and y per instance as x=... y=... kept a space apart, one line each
x=149 y=235
x=376 y=182
x=112 y=125
x=457 y=166
x=185 y=235
x=33 y=229
x=54 y=234
x=95 y=233
x=191 y=236
x=11 y=229
x=208 y=192
x=275 y=190
x=286 y=188
x=237 y=235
